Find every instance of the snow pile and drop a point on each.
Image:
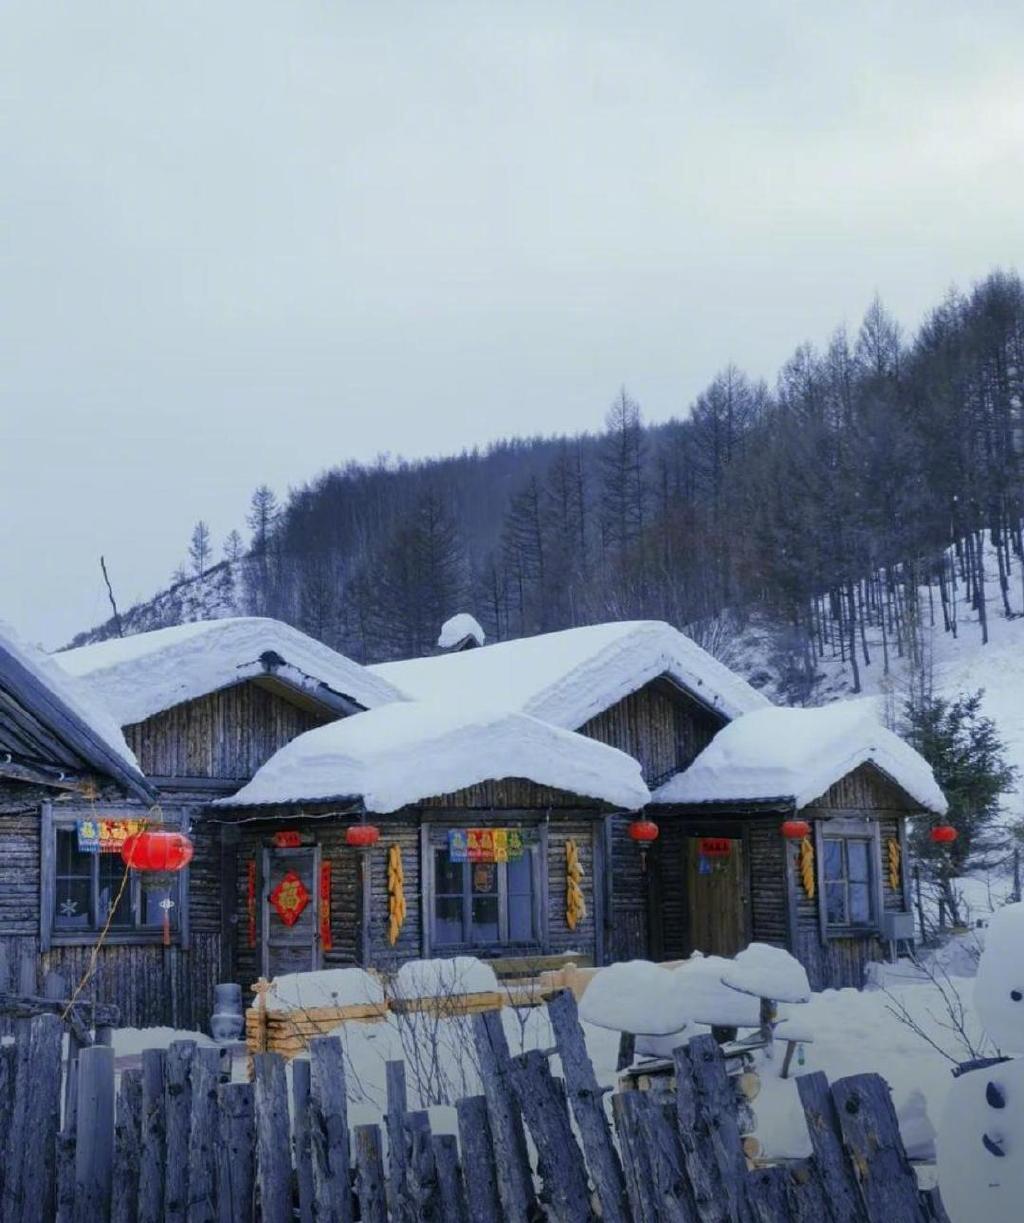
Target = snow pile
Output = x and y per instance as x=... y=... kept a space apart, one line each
x=459 y=629
x=137 y=677
x=69 y=693
x=569 y=677
x=333 y=987
x=634 y=996
x=462 y=974
x=405 y=752
x=707 y=1000
x=768 y=972
x=797 y=754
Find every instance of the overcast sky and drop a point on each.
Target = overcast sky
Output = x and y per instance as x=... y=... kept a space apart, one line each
x=241 y=242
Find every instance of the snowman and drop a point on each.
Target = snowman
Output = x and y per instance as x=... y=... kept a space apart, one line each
x=981 y=1137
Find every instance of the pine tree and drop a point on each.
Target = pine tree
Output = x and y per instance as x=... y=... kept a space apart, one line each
x=262 y=518
x=234 y=548
x=199 y=548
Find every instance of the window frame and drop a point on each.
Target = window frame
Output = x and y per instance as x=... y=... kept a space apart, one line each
x=436 y=842
x=845 y=829
x=51 y=934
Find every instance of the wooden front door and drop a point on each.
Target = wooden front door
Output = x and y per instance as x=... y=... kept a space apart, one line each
x=715 y=888
x=291 y=903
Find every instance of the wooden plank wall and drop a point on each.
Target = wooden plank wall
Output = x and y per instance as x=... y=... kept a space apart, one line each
x=839 y=962
x=665 y=730
x=227 y=734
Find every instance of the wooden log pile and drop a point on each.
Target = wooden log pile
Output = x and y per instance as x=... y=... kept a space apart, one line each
x=179 y=1141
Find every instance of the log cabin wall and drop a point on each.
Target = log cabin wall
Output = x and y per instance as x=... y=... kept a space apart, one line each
x=227 y=734
x=665 y=729
x=838 y=962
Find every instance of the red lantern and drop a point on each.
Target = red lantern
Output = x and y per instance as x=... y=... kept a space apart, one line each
x=796 y=830
x=157 y=849
x=643 y=832
x=943 y=834
x=362 y=836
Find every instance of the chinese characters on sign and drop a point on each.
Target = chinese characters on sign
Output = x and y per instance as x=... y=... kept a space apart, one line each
x=289 y=898
x=106 y=836
x=485 y=844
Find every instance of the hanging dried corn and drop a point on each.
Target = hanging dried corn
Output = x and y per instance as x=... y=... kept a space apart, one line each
x=396 y=894
x=807 y=867
x=892 y=848
x=575 y=905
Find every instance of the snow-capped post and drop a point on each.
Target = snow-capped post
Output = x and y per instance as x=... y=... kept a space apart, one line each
x=461 y=632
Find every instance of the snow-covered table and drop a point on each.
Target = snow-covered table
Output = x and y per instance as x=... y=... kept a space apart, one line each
x=771 y=975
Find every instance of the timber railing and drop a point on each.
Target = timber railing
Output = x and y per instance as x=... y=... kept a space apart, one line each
x=181 y=1143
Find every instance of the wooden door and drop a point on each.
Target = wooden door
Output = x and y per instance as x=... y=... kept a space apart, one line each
x=291 y=903
x=716 y=895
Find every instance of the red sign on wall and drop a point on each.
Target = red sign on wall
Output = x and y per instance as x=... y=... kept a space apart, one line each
x=287 y=838
x=289 y=898
x=326 y=939
x=715 y=847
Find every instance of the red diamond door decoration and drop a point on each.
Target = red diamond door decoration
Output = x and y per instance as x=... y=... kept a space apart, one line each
x=289 y=898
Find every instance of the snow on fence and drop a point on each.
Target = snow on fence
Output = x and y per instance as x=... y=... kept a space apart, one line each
x=182 y=1143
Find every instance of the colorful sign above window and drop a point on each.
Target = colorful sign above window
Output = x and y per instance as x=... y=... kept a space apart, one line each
x=106 y=836
x=485 y=844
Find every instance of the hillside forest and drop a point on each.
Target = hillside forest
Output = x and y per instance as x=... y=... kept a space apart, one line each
x=875 y=473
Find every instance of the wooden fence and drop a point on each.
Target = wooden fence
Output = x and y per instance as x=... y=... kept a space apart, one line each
x=179 y=1143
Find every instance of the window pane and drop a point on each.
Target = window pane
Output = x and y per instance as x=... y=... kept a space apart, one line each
x=833 y=858
x=485 y=879
x=447 y=919
x=152 y=913
x=520 y=877
x=485 y=919
x=447 y=874
x=835 y=904
x=70 y=859
x=857 y=861
x=520 y=918
x=72 y=903
x=860 y=904
x=111 y=877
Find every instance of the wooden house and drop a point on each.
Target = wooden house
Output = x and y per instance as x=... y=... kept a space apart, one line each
x=200 y=707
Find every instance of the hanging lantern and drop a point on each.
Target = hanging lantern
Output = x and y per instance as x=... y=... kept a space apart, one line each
x=643 y=832
x=157 y=849
x=796 y=830
x=943 y=834
x=362 y=836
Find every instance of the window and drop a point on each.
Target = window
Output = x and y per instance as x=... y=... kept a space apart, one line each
x=88 y=885
x=847 y=876
x=479 y=903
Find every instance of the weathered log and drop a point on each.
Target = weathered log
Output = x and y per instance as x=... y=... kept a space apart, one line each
x=716 y=1113
x=178 y=1117
x=153 y=1137
x=421 y=1198
x=273 y=1156
x=39 y=1121
x=830 y=1155
x=478 y=1154
x=302 y=1151
x=328 y=1129
x=585 y=1099
x=94 y=1134
x=626 y=1106
x=127 y=1148
x=450 y=1187
x=871 y=1132
x=397 y=1104
x=563 y=1173
x=236 y=1162
x=206 y=1073
x=515 y=1178
x=369 y=1167
x=664 y=1156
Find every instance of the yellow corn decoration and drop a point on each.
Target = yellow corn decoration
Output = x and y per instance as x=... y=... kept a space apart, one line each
x=396 y=894
x=807 y=867
x=575 y=905
x=893 y=850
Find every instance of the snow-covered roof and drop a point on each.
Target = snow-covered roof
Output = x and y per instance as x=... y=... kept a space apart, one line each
x=139 y=676
x=458 y=629
x=571 y=676
x=401 y=753
x=65 y=708
x=797 y=754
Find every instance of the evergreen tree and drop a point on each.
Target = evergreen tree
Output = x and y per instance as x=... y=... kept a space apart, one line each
x=234 y=548
x=199 y=548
